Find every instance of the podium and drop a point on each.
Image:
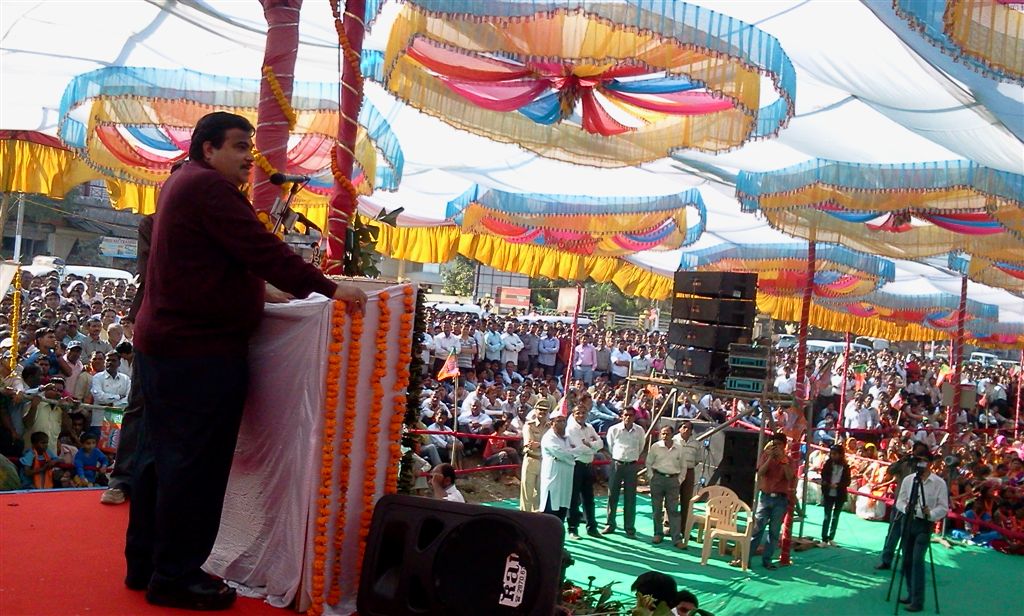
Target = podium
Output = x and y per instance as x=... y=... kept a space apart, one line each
x=272 y=528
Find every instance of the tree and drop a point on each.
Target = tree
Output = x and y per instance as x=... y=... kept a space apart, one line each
x=457 y=276
x=598 y=296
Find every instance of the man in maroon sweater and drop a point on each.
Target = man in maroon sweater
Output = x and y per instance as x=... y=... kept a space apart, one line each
x=203 y=298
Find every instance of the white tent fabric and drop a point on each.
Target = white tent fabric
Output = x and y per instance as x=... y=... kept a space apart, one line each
x=866 y=92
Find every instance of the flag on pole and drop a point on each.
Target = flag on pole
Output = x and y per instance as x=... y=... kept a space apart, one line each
x=897 y=401
x=860 y=373
x=944 y=373
x=450 y=369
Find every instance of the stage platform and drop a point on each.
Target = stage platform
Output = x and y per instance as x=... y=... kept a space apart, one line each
x=828 y=581
x=61 y=555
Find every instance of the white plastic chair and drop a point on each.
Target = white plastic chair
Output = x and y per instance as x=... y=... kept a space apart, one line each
x=724 y=511
x=694 y=518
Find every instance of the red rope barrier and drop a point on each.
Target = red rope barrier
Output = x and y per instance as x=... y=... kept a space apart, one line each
x=514 y=437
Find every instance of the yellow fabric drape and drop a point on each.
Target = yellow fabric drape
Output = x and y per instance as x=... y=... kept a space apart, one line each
x=788 y=309
x=441 y=244
x=29 y=167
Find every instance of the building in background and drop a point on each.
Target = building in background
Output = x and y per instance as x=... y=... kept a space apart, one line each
x=81 y=229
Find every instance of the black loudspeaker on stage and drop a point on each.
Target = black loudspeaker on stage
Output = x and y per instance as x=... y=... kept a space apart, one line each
x=738 y=465
x=710 y=311
x=426 y=557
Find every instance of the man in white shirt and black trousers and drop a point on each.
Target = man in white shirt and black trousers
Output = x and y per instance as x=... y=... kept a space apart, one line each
x=625 y=442
x=931 y=504
x=586 y=443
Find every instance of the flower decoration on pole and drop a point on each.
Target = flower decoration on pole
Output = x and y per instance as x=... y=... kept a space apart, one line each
x=591 y=82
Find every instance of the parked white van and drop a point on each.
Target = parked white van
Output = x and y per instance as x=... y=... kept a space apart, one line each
x=985 y=359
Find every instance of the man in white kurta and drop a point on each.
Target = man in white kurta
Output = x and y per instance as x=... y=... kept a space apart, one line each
x=557 y=463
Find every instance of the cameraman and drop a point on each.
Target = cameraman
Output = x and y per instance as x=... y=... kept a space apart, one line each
x=897 y=472
x=931 y=503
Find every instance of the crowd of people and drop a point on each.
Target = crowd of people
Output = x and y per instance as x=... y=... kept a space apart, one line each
x=68 y=363
x=507 y=402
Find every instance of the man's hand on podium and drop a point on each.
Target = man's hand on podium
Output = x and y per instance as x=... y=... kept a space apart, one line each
x=273 y=295
x=354 y=298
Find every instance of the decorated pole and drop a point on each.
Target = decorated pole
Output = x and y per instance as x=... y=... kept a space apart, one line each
x=958 y=357
x=1020 y=381
x=572 y=348
x=846 y=369
x=275 y=117
x=344 y=198
x=801 y=396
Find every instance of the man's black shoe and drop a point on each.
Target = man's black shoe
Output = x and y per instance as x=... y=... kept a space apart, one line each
x=913 y=608
x=593 y=532
x=137 y=581
x=883 y=567
x=905 y=600
x=206 y=595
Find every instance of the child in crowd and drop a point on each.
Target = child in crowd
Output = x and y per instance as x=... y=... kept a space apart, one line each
x=90 y=463
x=38 y=463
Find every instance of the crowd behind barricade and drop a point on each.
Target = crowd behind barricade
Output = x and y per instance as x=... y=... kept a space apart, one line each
x=71 y=365
x=512 y=375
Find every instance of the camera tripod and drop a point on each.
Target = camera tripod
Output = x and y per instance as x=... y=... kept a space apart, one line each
x=917 y=491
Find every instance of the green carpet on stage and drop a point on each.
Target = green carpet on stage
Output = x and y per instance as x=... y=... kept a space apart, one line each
x=829 y=581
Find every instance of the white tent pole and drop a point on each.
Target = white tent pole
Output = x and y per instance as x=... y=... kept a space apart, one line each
x=18 y=228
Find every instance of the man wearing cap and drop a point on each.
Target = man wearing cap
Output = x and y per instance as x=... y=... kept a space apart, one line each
x=556 y=468
x=73 y=357
x=533 y=431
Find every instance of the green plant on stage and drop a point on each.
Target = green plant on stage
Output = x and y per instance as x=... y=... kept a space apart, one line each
x=360 y=257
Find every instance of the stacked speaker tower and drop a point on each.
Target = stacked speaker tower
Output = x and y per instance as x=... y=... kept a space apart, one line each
x=710 y=312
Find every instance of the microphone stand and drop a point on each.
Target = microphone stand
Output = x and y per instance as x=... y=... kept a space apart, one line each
x=285 y=218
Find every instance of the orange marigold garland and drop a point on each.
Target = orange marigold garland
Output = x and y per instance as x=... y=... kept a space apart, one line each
x=327 y=460
x=355 y=352
x=400 y=388
x=331 y=402
x=373 y=423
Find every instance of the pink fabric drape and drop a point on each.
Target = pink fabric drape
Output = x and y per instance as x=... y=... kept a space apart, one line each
x=342 y=204
x=272 y=124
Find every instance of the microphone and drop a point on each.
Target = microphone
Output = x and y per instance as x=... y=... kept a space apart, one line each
x=283 y=178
